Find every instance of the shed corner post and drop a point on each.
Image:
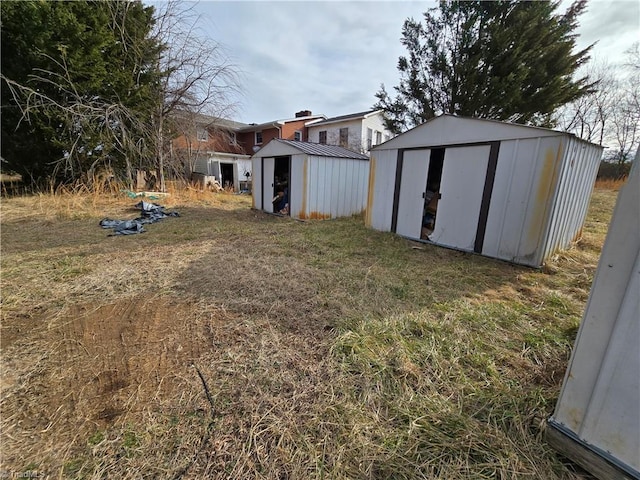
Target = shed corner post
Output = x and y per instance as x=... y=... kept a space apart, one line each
x=396 y=191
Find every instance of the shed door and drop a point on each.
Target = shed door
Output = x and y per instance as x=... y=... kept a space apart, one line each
x=413 y=185
x=268 y=165
x=461 y=187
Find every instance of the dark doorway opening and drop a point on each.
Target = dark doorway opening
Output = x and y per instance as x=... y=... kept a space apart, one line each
x=227 y=176
x=431 y=198
x=281 y=184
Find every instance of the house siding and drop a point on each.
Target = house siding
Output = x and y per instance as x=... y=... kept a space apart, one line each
x=248 y=139
x=357 y=140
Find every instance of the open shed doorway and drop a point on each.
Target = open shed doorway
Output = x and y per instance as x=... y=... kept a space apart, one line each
x=228 y=180
x=432 y=195
x=281 y=185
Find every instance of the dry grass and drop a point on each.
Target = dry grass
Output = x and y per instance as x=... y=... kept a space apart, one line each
x=610 y=183
x=227 y=343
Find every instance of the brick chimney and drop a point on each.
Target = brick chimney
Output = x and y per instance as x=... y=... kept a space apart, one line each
x=303 y=113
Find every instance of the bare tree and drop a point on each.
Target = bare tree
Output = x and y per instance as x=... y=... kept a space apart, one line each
x=95 y=127
x=610 y=115
x=197 y=77
x=589 y=116
x=624 y=134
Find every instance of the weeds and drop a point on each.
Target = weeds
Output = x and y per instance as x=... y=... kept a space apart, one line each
x=329 y=350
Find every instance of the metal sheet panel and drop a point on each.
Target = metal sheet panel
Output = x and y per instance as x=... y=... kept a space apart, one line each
x=513 y=176
x=451 y=129
x=381 y=186
x=334 y=187
x=600 y=396
x=256 y=190
x=463 y=175
x=413 y=185
x=268 y=170
x=579 y=169
x=298 y=185
x=539 y=202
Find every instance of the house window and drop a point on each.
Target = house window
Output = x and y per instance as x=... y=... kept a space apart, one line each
x=369 y=138
x=258 y=138
x=297 y=136
x=202 y=134
x=322 y=137
x=344 y=137
x=378 y=138
x=233 y=140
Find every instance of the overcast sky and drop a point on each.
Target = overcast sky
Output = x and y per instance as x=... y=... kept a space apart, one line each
x=330 y=57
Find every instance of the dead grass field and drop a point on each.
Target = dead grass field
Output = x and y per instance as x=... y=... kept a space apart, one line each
x=228 y=343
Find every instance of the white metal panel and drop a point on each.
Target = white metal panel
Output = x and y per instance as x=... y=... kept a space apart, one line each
x=256 y=190
x=540 y=201
x=413 y=185
x=505 y=205
x=580 y=167
x=612 y=422
x=347 y=203
x=298 y=184
x=268 y=172
x=334 y=187
x=600 y=396
x=450 y=130
x=461 y=188
x=381 y=186
x=363 y=186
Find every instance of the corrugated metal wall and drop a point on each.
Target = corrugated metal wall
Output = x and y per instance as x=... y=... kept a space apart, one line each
x=579 y=170
x=336 y=187
x=382 y=176
x=256 y=188
x=319 y=187
x=539 y=198
x=599 y=402
x=521 y=202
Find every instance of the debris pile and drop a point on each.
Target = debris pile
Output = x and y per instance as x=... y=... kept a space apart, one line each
x=151 y=213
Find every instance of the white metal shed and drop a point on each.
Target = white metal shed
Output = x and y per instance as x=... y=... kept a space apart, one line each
x=503 y=190
x=597 y=418
x=320 y=181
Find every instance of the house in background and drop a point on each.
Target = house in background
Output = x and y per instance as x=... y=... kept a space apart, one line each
x=222 y=148
x=254 y=136
x=358 y=131
x=208 y=146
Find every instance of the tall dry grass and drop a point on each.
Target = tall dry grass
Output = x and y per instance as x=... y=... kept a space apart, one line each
x=323 y=349
x=610 y=183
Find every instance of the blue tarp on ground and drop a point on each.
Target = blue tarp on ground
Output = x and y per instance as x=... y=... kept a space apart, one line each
x=151 y=213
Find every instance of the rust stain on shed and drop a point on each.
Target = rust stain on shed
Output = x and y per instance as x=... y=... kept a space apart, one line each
x=319 y=215
x=372 y=182
x=303 y=211
x=545 y=188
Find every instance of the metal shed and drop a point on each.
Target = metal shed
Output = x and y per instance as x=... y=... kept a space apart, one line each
x=597 y=418
x=503 y=190
x=319 y=181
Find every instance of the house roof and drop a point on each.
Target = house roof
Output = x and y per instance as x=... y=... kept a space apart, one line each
x=342 y=118
x=210 y=121
x=276 y=123
x=316 y=149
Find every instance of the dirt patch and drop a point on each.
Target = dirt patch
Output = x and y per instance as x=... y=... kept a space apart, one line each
x=95 y=366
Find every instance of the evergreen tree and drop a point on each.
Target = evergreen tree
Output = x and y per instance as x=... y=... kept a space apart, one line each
x=506 y=60
x=88 y=67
